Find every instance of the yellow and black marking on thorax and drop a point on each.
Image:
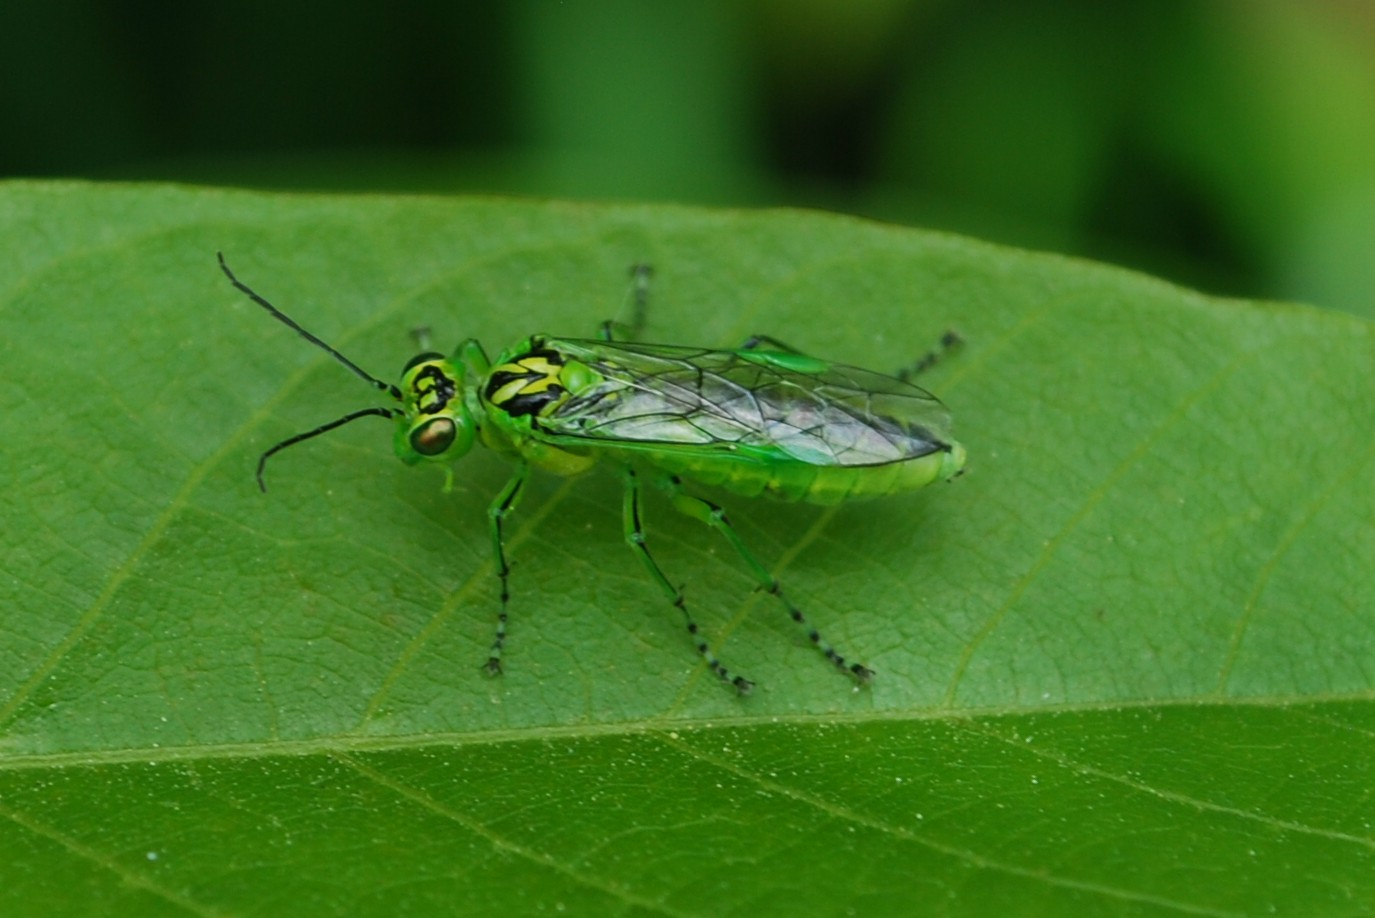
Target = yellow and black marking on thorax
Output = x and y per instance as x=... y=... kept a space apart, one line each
x=530 y=384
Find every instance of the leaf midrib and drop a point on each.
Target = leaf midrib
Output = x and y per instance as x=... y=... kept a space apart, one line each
x=344 y=743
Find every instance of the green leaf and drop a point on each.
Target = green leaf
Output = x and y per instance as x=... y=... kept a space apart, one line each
x=1125 y=664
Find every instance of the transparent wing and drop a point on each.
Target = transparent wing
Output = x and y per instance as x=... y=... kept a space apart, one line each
x=680 y=396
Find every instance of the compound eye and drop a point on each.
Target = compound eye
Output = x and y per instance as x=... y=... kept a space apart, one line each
x=434 y=436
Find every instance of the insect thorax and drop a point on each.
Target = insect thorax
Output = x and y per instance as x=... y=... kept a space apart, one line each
x=530 y=383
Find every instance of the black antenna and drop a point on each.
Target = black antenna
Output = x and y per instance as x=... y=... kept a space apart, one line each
x=288 y=321
x=323 y=428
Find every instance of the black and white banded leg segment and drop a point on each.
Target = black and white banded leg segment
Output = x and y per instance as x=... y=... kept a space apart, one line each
x=502 y=504
x=635 y=538
x=712 y=515
x=949 y=341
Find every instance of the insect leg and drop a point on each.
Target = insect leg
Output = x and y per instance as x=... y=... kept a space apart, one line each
x=706 y=512
x=949 y=341
x=635 y=538
x=611 y=330
x=503 y=504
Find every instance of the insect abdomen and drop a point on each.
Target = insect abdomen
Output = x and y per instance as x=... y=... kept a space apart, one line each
x=790 y=480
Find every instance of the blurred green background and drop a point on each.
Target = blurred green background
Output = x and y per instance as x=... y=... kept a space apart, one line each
x=1226 y=144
